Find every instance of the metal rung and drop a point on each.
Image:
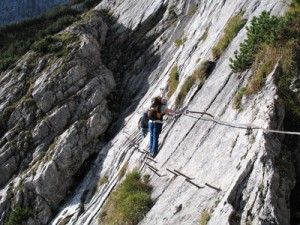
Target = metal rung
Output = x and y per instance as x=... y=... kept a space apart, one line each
x=194 y=183
x=172 y=172
x=176 y=171
x=154 y=171
x=151 y=166
x=147 y=157
x=208 y=185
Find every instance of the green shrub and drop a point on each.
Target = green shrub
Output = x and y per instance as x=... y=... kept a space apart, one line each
x=129 y=203
x=271 y=40
x=52 y=44
x=42 y=45
x=6 y=62
x=263 y=30
x=18 y=215
x=173 y=81
x=60 y=24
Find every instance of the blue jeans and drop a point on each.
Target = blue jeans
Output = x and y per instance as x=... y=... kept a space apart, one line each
x=155 y=129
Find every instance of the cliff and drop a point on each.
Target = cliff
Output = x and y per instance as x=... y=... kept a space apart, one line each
x=71 y=120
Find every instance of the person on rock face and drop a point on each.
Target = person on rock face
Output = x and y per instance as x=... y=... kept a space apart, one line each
x=156 y=112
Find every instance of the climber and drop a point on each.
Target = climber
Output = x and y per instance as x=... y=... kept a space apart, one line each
x=156 y=112
x=143 y=123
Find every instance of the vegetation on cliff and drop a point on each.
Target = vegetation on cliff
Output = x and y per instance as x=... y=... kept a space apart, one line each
x=16 y=39
x=129 y=203
x=272 y=40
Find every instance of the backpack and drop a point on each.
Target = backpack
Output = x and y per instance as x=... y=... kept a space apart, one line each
x=144 y=120
x=154 y=112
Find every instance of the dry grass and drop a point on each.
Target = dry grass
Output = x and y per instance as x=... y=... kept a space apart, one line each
x=204 y=35
x=173 y=81
x=188 y=83
x=200 y=75
x=238 y=98
x=205 y=217
x=123 y=170
x=263 y=65
x=233 y=26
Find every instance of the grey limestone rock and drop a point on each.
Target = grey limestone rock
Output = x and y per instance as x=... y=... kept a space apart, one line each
x=235 y=177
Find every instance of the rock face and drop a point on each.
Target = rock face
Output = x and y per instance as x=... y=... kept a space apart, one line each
x=54 y=119
x=15 y=10
x=56 y=114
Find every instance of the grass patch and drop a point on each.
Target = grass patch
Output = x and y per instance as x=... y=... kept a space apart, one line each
x=238 y=98
x=203 y=71
x=263 y=65
x=233 y=144
x=65 y=220
x=192 y=10
x=233 y=26
x=204 y=35
x=188 y=83
x=180 y=41
x=261 y=188
x=173 y=81
x=204 y=218
x=199 y=75
x=129 y=203
x=173 y=17
x=123 y=170
x=19 y=215
x=102 y=181
x=146 y=178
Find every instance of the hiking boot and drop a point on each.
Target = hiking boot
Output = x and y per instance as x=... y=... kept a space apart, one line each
x=152 y=154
